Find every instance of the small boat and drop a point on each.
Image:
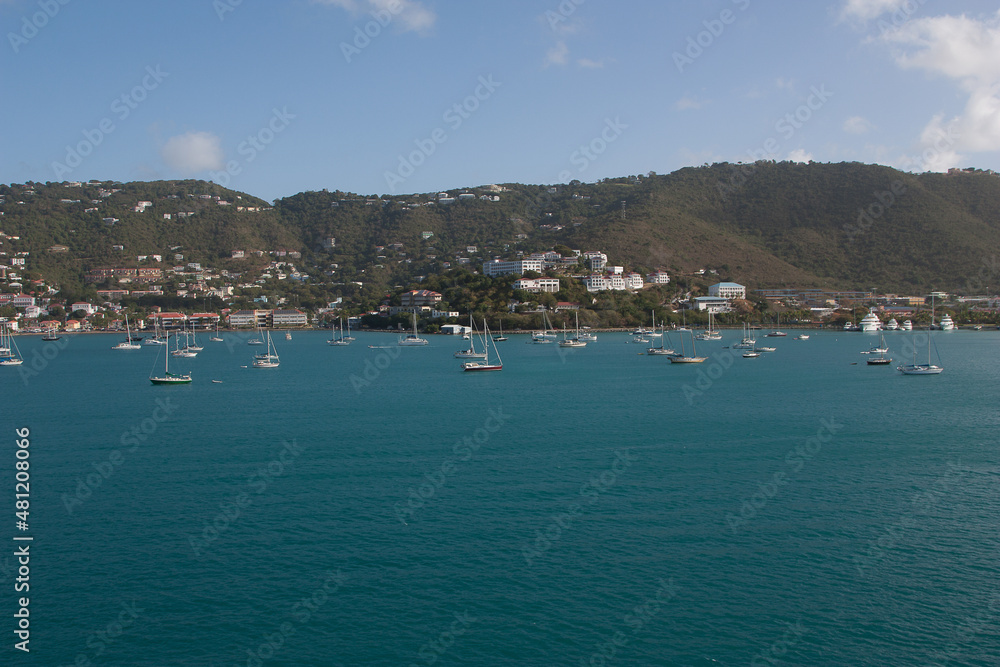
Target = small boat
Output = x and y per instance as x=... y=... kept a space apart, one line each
x=501 y=338
x=411 y=340
x=217 y=381
x=259 y=340
x=51 y=335
x=880 y=350
x=892 y=325
x=192 y=341
x=657 y=351
x=168 y=377
x=921 y=369
x=907 y=326
x=268 y=359
x=471 y=352
x=767 y=349
x=127 y=344
x=216 y=338
x=181 y=351
x=485 y=365
x=711 y=333
x=11 y=356
x=339 y=340
x=682 y=358
x=288 y=335
x=575 y=341
x=802 y=337
x=947 y=324
x=748 y=341
x=751 y=354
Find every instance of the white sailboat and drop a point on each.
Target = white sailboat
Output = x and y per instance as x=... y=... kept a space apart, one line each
x=748 y=342
x=168 y=377
x=192 y=341
x=501 y=338
x=127 y=344
x=412 y=340
x=485 y=365
x=711 y=333
x=471 y=352
x=339 y=340
x=12 y=356
x=575 y=341
x=157 y=338
x=661 y=350
x=182 y=351
x=348 y=337
x=259 y=340
x=683 y=358
x=881 y=359
x=270 y=358
x=216 y=338
x=921 y=369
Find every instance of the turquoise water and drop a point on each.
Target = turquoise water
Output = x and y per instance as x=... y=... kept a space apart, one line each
x=583 y=507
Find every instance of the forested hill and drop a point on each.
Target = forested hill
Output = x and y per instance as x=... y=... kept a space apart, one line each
x=763 y=224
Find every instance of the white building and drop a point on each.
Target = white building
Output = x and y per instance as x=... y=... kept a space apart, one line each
x=537 y=284
x=633 y=281
x=288 y=318
x=713 y=304
x=728 y=291
x=658 y=278
x=499 y=267
x=84 y=306
x=601 y=283
x=596 y=261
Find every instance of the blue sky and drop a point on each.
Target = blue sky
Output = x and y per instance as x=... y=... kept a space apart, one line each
x=274 y=98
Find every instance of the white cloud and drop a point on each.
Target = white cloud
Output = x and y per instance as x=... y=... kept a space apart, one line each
x=557 y=55
x=784 y=84
x=967 y=51
x=857 y=125
x=590 y=64
x=800 y=155
x=688 y=102
x=193 y=152
x=408 y=15
x=866 y=10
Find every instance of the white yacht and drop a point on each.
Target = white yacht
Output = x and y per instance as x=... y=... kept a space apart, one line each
x=412 y=340
x=947 y=324
x=907 y=325
x=892 y=325
x=870 y=322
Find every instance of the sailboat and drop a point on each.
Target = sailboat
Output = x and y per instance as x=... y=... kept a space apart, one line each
x=216 y=338
x=748 y=342
x=156 y=339
x=269 y=359
x=412 y=340
x=12 y=356
x=348 y=337
x=51 y=334
x=339 y=340
x=485 y=364
x=127 y=344
x=471 y=352
x=259 y=340
x=660 y=350
x=542 y=336
x=920 y=369
x=881 y=359
x=711 y=333
x=181 y=351
x=653 y=333
x=501 y=338
x=752 y=353
x=682 y=358
x=168 y=377
x=776 y=333
x=192 y=341
x=575 y=341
